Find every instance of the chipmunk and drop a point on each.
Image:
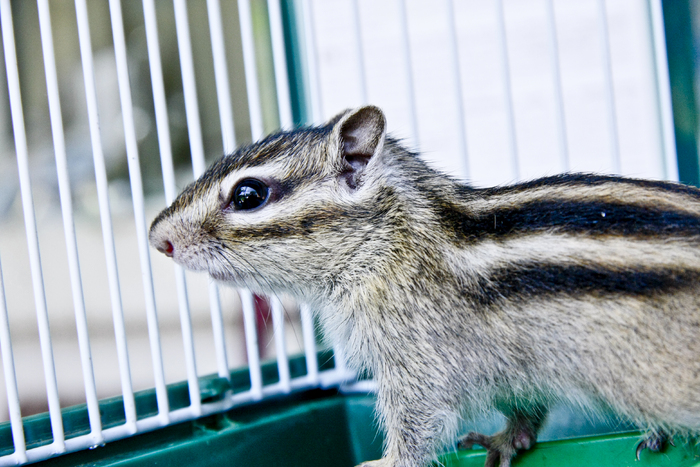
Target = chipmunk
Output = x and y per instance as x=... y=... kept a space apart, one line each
x=577 y=288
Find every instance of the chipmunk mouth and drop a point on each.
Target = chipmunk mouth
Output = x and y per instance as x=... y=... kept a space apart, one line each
x=190 y=262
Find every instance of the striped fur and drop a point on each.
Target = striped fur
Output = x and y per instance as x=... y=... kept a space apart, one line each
x=578 y=287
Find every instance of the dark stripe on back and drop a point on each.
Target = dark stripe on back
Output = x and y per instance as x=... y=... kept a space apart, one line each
x=531 y=281
x=588 y=179
x=593 y=218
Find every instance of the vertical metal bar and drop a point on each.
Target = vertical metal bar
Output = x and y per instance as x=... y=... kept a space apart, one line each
x=663 y=83
x=8 y=365
x=408 y=63
x=4 y=102
x=556 y=82
x=228 y=135
x=251 y=73
x=312 y=62
x=194 y=126
x=507 y=89
x=162 y=126
x=194 y=130
x=159 y=100
x=105 y=217
x=251 y=339
x=279 y=57
x=609 y=86
x=30 y=225
x=309 y=335
x=68 y=222
x=256 y=129
x=360 y=51
x=218 y=330
x=280 y=343
x=457 y=78
x=223 y=92
x=138 y=203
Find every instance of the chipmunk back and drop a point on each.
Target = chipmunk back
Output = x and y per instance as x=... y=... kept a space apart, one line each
x=577 y=288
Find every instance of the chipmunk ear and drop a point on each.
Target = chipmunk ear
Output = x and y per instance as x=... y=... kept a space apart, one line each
x=359 y=135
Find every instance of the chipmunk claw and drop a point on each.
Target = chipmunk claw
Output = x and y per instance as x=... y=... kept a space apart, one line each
x=501 y=447
x=656 y=442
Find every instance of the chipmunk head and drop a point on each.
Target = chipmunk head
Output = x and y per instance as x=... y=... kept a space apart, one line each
x=271 y=215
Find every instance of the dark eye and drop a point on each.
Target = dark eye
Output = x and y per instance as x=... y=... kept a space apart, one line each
x=249 y=194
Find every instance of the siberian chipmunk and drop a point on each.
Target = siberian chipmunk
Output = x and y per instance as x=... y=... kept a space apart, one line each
x=577 y=288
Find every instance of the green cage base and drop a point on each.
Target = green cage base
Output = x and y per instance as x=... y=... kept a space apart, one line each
x=325 y=428
x=310 y=428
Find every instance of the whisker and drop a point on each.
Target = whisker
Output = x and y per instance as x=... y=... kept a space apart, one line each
x=273 y=293
x=227 y=251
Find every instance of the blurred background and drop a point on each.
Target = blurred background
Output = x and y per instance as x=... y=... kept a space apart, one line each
x=489 y=91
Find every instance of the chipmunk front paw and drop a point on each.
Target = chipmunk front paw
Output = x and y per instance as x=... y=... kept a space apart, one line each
x=502 y=446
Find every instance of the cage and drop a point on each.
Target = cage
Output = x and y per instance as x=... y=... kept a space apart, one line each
x=113 y=356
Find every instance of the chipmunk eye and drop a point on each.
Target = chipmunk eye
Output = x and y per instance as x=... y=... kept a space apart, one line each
x=249 y=194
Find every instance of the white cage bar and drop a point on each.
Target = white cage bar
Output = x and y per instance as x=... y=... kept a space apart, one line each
x=280 y=64
x=408 y=64
x=663 y=83
x=507 y=90
x=556 y=86
x=228 y=137
x=322 y=101
x=251 y=79
x=68 y=223
x=20 y=135
x=135 y=180
x=609 y=87
x=311 y=56
x=458 y=94
x=8 y=364
x=361 y=72
x=105 y=217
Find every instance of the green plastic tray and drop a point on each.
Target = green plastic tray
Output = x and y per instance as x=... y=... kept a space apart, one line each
x=324 y=428
x=311 y=428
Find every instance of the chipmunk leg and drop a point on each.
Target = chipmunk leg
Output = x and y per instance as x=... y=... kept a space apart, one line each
x=520 y=434
x=415 y=425
x=655 y=442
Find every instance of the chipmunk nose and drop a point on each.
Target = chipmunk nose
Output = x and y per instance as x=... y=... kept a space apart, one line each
x=165 y=247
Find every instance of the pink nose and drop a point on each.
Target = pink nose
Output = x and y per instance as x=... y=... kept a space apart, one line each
x=166 y=248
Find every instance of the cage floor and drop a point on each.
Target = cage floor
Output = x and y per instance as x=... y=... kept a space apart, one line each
x=324 y=428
